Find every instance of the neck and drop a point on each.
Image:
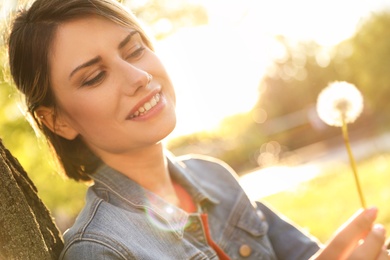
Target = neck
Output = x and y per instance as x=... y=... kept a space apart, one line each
x=148 y=167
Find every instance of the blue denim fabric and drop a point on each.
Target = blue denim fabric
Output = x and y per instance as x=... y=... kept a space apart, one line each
x=121 y=220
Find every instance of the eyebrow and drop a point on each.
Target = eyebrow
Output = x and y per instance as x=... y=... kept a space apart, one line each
x=98 y=58
x=127 y=39
x=86 y=64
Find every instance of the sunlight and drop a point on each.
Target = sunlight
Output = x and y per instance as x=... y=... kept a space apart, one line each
x=5 y=8
x=272 y=180
x=213 y=76
x=216 y=69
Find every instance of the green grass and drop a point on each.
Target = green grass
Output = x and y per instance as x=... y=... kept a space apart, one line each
x=321 y=205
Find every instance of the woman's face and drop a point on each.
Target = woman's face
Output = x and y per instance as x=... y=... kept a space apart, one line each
x=99 y=75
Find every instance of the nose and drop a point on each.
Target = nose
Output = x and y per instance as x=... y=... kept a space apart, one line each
x=134 y=79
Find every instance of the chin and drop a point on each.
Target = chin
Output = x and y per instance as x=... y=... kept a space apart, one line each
x=164 y=130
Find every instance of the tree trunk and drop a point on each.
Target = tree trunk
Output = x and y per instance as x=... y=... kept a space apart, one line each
x=27 y=230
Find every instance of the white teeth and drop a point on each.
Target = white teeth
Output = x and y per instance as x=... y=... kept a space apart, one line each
x=153 y=102
x=147 y=106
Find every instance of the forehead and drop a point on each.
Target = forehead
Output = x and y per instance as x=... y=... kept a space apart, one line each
x=82 y=30
x=78 y=40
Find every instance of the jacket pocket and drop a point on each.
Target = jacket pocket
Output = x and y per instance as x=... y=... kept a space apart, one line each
x=247 y=233
x=252 y=221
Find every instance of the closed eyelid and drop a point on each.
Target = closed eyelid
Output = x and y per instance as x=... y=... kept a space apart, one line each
x=95 y=79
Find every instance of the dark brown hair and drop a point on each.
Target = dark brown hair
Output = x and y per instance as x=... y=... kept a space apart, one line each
x=29 y=43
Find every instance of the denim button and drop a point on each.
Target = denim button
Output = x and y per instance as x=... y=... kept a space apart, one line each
x=260 y=214
x=245 y=250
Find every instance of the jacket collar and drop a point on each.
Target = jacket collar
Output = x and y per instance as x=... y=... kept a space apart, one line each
x=159 y=212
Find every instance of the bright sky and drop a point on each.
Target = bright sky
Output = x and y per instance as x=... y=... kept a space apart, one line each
x=216 y=69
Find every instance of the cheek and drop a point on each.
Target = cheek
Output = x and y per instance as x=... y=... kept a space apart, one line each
x=86 y=109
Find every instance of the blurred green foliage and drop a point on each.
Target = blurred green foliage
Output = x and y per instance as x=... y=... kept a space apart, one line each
x=369 y=62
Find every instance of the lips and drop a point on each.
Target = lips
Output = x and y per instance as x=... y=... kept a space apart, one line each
x=146 y=107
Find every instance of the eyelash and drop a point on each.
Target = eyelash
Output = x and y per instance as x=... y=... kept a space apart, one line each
x=95 y=80
x=102 y=74
x=136 y=53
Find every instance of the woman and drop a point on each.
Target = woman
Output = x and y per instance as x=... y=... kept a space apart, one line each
x=103 y=99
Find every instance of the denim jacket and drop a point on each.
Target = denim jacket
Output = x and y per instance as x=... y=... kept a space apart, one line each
x=121 y=220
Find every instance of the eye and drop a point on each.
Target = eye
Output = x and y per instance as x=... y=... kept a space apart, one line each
x=137 y=53
x=95 y=80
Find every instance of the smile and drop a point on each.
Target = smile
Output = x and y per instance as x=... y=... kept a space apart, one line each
x=142 y=110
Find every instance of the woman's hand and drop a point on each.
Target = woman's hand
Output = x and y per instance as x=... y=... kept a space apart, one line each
x=358 y=238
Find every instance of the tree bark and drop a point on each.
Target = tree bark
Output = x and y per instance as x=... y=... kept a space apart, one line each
x=27 y=230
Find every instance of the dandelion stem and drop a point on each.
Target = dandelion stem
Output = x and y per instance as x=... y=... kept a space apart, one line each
x=352 y=161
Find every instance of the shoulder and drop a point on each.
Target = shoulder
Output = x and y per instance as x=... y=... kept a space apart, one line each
x=211 y=172
x=96 y=232
x=208 y=163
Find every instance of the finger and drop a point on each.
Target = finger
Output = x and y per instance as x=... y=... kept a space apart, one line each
x=372 y=247
x=347 y=237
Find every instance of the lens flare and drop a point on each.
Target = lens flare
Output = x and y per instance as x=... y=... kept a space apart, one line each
x=164 y=216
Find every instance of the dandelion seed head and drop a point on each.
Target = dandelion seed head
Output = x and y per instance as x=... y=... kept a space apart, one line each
x=339 y=100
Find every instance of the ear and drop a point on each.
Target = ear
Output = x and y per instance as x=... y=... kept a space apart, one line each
x=56 y=123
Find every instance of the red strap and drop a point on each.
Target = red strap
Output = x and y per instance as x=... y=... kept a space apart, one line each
x=221 y=254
